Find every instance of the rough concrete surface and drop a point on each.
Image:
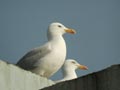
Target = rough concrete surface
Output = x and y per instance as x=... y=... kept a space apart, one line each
x=15 y=78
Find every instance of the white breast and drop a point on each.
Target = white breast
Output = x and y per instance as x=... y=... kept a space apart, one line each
x=52 y=62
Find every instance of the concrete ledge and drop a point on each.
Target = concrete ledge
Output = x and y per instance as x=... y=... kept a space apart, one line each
x=14 y=78
x=107 y=79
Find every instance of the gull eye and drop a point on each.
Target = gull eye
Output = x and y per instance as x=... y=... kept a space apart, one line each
x=59 y=26
x=73 y=62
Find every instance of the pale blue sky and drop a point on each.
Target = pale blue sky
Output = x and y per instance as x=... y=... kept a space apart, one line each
x=23 y=25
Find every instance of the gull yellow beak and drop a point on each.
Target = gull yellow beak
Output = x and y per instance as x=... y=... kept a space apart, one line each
x=70 y=31
x=83 y=67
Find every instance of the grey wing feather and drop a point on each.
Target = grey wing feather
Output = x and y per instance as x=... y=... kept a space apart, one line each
x=27 y=62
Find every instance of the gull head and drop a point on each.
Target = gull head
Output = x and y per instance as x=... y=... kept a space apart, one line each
x=69 y=68
x=73 y=65
x=59 y=29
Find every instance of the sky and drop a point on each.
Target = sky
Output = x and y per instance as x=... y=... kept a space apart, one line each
x=23 y=26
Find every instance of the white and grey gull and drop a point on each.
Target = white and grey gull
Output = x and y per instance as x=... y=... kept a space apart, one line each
x=68 y=70
x=47 y=59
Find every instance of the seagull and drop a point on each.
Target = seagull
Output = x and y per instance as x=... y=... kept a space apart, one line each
x=68 y=70
x=47 y=59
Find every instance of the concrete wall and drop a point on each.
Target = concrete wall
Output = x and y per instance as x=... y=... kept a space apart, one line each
x=14 y=78
x=107 y=79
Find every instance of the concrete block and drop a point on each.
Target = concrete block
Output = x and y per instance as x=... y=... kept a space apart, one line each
x=15 y=78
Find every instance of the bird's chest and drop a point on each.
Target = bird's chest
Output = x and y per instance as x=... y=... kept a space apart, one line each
x=58 y=48
x=56 y=56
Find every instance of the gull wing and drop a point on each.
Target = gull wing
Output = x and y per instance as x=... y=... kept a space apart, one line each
x=29 y=59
